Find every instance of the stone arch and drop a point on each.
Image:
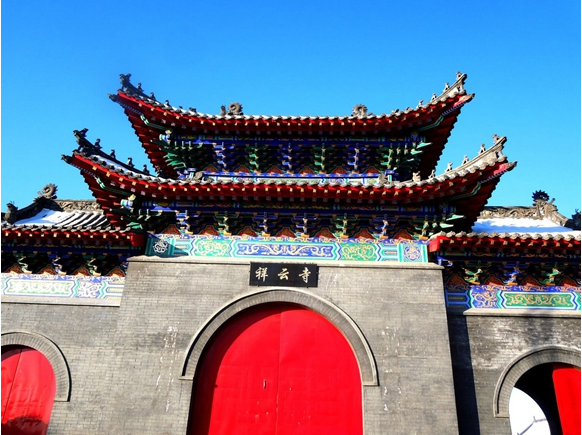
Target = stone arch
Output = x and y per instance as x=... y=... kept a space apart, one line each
x=523 y=363
x=51 y=351
x=332 y=313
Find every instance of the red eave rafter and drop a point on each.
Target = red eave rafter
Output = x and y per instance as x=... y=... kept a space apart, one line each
x=443 y=243
x=413 y=119
x=74 y=235
x=118 y=183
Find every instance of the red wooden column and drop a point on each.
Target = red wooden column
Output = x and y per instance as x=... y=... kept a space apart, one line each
x=567 y=388
x=28 y=392
x=277 y=369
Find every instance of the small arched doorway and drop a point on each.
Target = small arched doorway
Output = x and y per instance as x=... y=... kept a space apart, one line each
x=555 y=388
x=28 y=391
x=277 y=369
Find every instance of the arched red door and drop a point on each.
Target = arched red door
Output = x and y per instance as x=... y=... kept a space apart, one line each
x=567 y=388
x=277 y=369
x=28 y=391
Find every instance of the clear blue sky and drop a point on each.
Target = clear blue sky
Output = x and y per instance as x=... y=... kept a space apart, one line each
x=61 y=59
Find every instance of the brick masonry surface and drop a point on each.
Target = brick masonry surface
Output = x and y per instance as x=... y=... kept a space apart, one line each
x=131 y=366
x=483 y=347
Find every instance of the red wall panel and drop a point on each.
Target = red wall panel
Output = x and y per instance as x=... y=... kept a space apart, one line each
x=277 y=369
x=28 y=392
x=567 y=388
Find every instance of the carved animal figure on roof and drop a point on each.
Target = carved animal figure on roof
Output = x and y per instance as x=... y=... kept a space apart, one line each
x=222 y=111
x=574 y=222
x=10 y=215
x=235 y=109
x=125 y=80
x=80 y=134
x=49 y=192
x=360 y=111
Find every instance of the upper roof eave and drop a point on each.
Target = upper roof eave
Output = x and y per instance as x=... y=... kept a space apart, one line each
x=452 y=96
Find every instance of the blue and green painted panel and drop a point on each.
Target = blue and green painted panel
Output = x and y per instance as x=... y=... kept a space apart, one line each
x=463 y=297
x=285 y=248
x=62 y=286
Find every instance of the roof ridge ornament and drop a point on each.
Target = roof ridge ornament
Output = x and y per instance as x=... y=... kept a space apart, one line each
x=360 y=111
x=457 y=88
x=235 y=109
x=541 y=209
x=49 y=192
x=45 y=199
x=130 y=89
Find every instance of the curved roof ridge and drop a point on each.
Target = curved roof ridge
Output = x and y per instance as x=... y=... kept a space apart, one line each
x=358 y=112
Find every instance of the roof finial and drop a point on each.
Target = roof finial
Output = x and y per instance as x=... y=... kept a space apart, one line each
x=129 y=162
x=125 y=83
x=235 y=109
x=49 y=192
x=360 y=111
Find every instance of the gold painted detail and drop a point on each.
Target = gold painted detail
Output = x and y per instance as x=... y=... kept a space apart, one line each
x=359 y=252
x=547 y=300
x=211 y=248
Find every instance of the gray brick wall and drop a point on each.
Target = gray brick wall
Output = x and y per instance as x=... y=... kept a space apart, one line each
x=131 y=370
x=484 y=346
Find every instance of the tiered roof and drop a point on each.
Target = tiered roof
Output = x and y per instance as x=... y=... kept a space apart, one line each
x=53 y=235
x=113 y=182
x=364 y=164
x=188 y=130
x=539 y=228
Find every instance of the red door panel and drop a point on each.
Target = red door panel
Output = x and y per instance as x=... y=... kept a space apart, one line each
x=567 y=387
x=319 y=380
x=28 y=392
x=10 y=360
x=236 y=388
x=277 y=369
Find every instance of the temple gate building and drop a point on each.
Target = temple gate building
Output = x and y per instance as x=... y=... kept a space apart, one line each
x=288 y=275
